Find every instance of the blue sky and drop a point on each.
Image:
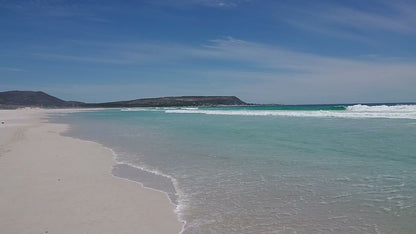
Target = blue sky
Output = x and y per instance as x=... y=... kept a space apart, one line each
x=263 y=51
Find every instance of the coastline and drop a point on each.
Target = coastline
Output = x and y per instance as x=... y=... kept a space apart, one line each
x=50 y=183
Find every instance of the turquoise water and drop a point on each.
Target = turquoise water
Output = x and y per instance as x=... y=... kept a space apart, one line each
x=301 y=169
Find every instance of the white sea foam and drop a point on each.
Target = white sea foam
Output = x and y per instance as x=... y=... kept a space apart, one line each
x=180 y=195
x=181 y=198
x=135 y=109
x=382 y=108
x=181 y=203
x=356 y=111
x=158 y=108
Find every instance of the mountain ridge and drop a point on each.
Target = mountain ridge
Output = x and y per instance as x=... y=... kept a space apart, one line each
x=17 y=99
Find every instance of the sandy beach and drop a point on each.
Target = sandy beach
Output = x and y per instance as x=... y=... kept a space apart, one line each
x=50 y=183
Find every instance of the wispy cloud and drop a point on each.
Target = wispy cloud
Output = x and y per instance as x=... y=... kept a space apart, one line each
x=12 y=69
x=356 y=23
x=251 y=54
x=57 y=9
x=204 y=3
x=46 y=7
x=264 y=71
x=399 y=21
x=82 y=58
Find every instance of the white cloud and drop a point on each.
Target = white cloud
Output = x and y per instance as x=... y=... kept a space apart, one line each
x=255 y=55
x=398 y=22
x=252 y=55
x=265 y=73
x=355 y=23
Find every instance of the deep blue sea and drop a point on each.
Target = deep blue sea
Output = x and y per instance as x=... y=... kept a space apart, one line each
x=269 y=169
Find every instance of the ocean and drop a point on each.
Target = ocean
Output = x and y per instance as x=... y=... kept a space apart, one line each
x=268 y=169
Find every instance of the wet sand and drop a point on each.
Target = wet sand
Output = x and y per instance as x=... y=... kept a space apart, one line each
x=50 y=183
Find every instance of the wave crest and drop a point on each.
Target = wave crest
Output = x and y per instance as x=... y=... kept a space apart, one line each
x=382 y=108
x=356 y=111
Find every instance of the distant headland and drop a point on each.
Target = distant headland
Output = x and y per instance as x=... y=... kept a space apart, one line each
x=18 y=99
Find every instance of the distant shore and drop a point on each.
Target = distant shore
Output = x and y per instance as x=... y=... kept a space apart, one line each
x=50 y=183
x=18 y=99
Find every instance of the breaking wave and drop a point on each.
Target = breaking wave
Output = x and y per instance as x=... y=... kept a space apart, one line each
x=382 y=108
x=355 y=111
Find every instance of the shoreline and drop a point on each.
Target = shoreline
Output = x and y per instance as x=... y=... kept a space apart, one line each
x=58 y=184
x=115 y=156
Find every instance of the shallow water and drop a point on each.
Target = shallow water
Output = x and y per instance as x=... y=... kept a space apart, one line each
x=269 y=169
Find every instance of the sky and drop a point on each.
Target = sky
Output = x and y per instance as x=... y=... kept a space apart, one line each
x=263 y=51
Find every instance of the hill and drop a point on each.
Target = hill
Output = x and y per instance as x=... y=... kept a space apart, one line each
x=29 y=98
x=176 y=101
x=15 y=99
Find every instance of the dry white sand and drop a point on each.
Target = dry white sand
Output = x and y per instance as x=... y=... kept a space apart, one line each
x=55 y=184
